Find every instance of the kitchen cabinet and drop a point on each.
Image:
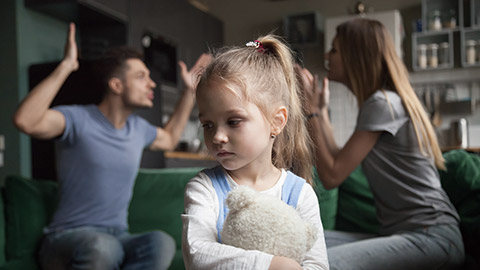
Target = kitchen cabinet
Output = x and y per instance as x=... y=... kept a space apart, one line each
x=74 y=10
x=432 y=50
x=474 y=13
x=470 y=47
x=454 y=24
x=101 y=23
x=442 y=14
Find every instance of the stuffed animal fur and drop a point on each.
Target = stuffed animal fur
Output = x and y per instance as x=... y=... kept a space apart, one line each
x=262 y=222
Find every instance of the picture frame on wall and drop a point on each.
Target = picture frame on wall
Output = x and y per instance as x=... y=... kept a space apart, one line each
x=303 y=29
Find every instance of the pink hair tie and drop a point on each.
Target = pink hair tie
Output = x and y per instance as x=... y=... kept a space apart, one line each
x=256 y=44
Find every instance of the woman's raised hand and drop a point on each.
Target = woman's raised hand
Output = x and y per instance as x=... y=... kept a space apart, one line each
x=315 y=98
x=325 y=94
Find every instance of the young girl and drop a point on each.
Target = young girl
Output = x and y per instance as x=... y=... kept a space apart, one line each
x=254 y=126
x=399 y=153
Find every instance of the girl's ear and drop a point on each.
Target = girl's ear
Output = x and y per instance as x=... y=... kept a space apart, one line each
x=115 y=85
x=280 y=118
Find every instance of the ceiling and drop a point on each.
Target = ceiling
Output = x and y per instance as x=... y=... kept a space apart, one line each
x=245 y=19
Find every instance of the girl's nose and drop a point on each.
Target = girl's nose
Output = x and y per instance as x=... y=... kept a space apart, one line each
x=220 y=137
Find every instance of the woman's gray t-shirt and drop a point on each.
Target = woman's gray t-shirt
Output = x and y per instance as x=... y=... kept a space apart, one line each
x=404 y=182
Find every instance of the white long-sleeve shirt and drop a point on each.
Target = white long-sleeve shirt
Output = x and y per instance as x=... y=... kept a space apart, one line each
x=199 y=241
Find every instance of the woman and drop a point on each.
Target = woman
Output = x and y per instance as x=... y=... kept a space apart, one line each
x=395 y=143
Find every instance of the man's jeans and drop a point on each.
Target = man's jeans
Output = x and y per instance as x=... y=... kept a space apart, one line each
x=436 y=247
x=105 y=248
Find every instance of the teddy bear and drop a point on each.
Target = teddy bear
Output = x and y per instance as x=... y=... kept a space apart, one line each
x=263 y=222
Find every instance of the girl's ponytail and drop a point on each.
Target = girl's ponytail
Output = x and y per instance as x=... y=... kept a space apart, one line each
x=292 y=148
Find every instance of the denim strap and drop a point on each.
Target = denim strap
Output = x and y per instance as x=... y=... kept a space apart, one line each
x=291 y=189
x=222 y=188
x=290 y=192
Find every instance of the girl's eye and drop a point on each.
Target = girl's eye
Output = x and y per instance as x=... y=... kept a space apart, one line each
x=207 y=125
x=234 y=122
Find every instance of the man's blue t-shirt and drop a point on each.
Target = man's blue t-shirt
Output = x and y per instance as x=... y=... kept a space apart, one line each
x=96 y=167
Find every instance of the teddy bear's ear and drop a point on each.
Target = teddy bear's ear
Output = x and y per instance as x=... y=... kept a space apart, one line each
x=240 y=197
x=311 y=232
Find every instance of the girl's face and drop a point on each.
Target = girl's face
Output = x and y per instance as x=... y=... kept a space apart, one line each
x=336 y=72
x=236 y=133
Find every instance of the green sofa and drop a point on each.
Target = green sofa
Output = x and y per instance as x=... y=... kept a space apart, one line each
x=27 y=205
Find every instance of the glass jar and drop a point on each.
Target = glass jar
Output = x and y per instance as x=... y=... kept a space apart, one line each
x=450 y=20
x=444 y=54
x=470 y=52
x=435 y=22
x=422 y=56
x=433 y=55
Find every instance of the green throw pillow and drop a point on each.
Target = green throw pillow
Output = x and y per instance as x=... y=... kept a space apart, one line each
x=157 y=202
x=461 y=181
x=328 y=201
x=29 y=206
x=356 y=207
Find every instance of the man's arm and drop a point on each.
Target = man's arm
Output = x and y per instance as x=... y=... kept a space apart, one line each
x=33 y=116
x=168 y=137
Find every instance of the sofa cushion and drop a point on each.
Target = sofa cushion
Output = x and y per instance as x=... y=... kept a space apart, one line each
x=328 y=200
x=21 y=264
x=356 y=207
x=29 y=206
x=157 y=203
x=461 y=181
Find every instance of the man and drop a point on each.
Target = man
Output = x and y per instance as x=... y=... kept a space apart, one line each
x=99 y=148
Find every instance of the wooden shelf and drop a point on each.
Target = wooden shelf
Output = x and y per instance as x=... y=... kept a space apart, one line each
x=188 y=155
x=445 y=75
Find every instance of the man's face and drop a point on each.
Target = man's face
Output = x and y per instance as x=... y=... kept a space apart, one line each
x=137 y=85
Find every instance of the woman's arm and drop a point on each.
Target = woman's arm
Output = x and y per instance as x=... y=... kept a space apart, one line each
x=333 y=170
x=316 y=103
x=333 y=165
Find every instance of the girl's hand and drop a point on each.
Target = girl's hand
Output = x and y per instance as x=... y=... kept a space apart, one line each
x=284 y=263
x=314 y=97
x=70 y=58
x=190 y=77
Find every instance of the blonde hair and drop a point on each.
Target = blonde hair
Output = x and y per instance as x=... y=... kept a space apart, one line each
x=371 y=63
x=265 y=76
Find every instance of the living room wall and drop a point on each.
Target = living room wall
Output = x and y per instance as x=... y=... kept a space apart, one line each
x=35 y=37
x=32 y=38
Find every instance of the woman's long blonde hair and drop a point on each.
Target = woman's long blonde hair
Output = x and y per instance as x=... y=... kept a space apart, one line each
x=265 y=76
x=371 y=63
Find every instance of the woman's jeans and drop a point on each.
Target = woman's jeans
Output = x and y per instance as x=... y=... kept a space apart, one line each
x=436 y=247
x=105 y=248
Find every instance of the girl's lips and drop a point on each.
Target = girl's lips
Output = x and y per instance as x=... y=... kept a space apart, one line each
x=223 y=154
x=151 y=95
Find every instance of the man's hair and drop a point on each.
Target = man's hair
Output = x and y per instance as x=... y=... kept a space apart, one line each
x=113 y=64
